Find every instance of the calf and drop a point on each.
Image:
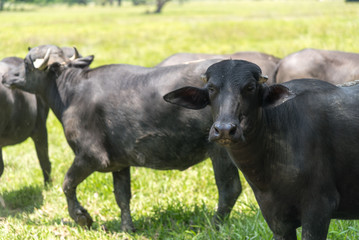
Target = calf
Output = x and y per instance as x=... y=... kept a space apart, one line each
x=266 y=62
x=114 y=118
x=296 y=143
x=22 y=115
x=332 y=66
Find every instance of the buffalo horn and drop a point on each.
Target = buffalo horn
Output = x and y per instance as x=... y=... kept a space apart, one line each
x=204 y=78
x=76 y=55
x=41 y=63
x=262 y=78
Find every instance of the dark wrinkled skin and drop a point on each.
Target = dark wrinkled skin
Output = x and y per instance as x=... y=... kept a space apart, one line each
x=114 y=117
x=265 y=61
x=295 y=144
x=22 y=115
x=335 y=67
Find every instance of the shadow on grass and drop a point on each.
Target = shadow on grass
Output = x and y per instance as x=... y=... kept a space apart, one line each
x=194 y=221
x=180 y=222
x=26 y=199
x=167 y=223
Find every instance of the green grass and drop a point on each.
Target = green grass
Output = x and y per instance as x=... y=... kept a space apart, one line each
x=165 y=204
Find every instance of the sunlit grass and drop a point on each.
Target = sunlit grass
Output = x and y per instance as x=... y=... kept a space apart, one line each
x=165 y=204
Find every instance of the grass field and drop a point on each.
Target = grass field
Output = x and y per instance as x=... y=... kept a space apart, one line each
x=165 y=204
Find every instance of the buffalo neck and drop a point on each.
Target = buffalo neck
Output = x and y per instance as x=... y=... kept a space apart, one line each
x=250 y=155
x=59 y=91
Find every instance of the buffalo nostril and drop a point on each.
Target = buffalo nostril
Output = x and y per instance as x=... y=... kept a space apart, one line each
x=216 y=131
x=232 y=130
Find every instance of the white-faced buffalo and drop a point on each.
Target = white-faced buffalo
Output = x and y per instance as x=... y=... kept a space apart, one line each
x=331 y=66
x=265 y=61
x=22 y=115
x=114 y=117
x=296 y=143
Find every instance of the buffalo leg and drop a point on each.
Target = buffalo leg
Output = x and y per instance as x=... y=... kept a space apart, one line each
x=79 y=171
x=42 y=151
x=40 y=139
x=316 y=219
x=227 y=180
x=290 y=236
x=1 y=163
x=122 y=190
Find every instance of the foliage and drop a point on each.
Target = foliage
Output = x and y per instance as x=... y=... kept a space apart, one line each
x=139 y=2
x=165 y=204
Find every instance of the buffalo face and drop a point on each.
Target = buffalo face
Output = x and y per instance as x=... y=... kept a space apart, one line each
x=11 y=72
x=43 y=64
x=236 y=92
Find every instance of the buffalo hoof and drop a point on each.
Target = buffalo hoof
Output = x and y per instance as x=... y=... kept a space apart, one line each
x=128 y=228
x=83 y=218
x=217 y=221
x=48 y=184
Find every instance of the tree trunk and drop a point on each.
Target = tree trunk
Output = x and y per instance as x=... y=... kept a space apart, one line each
x=160 y=4
x=119 y=2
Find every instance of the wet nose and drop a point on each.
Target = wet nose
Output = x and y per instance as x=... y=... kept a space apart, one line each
x=224 y=132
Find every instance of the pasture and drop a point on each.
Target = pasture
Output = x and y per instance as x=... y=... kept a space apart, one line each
x=165 y=204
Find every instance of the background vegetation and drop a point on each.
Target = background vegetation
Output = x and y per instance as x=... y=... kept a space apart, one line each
x=165 y=204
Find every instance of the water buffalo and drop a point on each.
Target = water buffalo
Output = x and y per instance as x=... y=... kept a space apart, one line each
x=69 y=52
x=266 y=62
x=296 y=143
x=332 y=66
x=114 y=117
x=22 y=115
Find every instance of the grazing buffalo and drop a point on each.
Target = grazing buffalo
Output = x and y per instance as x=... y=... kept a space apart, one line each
x=332 y=66
x=114 y=117
x=296 y=143
x=265 y=61
x=22 y=115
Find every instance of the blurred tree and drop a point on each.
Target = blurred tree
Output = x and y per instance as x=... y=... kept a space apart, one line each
x=138 y=2
x=160 y=4
x=110 y=2
x=72 y=2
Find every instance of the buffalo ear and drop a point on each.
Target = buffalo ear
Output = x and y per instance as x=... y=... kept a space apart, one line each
x=276 y=94
x=82 y=62
x=188 y=97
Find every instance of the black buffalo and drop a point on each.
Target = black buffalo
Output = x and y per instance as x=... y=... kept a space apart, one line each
x=114 y=117
x=296 y=143
x=265 y=61
x=22 y=115
x=335 y=67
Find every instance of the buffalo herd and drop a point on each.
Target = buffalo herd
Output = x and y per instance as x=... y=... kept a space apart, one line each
x=289 y=125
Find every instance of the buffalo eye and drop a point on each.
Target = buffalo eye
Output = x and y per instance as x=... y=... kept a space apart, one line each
x=211 y=89
x=250 y=88
x=28 y=66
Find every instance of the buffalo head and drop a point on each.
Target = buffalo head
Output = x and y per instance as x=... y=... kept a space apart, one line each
x=237 y=93
x=42 y=64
